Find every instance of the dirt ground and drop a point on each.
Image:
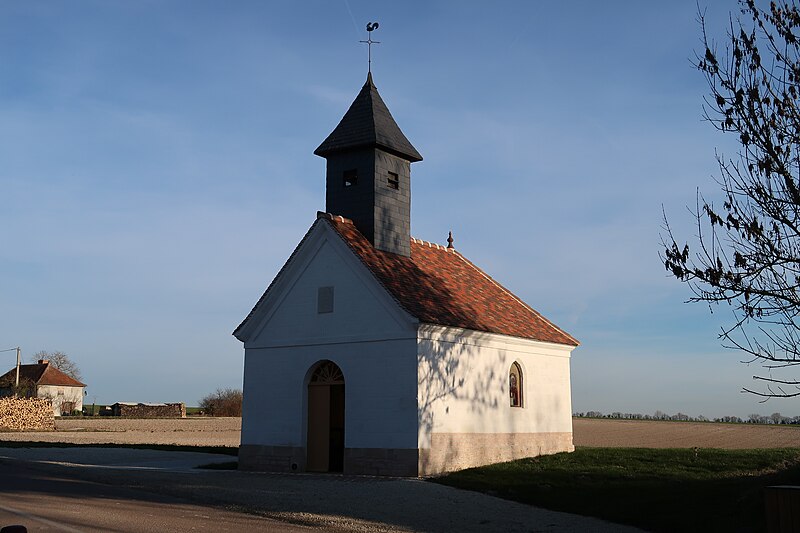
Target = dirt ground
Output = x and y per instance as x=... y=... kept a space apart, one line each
x=659 y=434
x=193 y=431
x=197 y=431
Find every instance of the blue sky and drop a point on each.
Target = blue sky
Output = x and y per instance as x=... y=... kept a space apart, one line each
x=156 y=170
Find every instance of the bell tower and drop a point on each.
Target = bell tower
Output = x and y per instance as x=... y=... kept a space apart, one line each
x=368 y=176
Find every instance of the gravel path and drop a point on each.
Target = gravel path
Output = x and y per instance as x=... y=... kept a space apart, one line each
x=333 y=502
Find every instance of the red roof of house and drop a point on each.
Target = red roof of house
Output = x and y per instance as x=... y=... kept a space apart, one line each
x=40 y=374
x=438 y=285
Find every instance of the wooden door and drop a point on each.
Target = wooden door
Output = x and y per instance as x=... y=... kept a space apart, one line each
x=318 y=428
x=326 y=419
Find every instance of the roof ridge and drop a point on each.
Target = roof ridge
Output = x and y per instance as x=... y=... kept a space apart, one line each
x=340 y=218
x=52 y=369
x=430 y=244
x=501 y=287
x=41 y=374
x=331 y=216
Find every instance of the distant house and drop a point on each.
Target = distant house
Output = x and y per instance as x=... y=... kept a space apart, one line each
x=45 y=381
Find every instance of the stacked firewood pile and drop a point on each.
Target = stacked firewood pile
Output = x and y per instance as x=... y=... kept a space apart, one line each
x=26 y=414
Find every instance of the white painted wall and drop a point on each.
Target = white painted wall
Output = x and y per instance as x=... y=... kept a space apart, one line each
x=60 y=394
x=380 y=393
x=463 y=384
x=403 y=381
x=289 y=317
x=368 y=336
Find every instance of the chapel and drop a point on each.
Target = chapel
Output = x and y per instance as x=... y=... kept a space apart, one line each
x=374 y=352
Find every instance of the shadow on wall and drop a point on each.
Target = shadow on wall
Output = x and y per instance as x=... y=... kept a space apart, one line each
x=457 y=380
x=460 y=382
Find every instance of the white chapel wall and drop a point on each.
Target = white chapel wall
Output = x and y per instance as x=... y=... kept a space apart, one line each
x=366 y=336
x=380 y=393
x=464 y=389
x=360 y=304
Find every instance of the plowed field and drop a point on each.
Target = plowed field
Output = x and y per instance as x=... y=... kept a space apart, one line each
x=194 y=431
x=660 y=434
x=587 y=432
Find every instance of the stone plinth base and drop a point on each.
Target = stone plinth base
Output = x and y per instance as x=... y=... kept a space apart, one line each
x=395 y=462
x=448 y=452
x=456 y=451
x=272 y=458
x=357 y=461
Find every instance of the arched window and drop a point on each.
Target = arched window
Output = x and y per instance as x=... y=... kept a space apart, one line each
x=327 y=373
x=515 y=385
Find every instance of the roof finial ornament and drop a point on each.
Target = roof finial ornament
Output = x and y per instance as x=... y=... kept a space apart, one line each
x=450 y=240
x=371 y=26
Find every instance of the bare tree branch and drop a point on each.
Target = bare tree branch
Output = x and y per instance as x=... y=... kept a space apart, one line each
x=61 y=361
x=747 y=252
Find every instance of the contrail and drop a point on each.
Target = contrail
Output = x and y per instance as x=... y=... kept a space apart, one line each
x=355 y=26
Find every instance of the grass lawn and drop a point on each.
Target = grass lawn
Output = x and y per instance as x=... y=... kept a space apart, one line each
x=654 y=489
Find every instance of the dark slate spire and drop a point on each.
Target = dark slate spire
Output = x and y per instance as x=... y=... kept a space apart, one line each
x=368 y=172
x=368 y=124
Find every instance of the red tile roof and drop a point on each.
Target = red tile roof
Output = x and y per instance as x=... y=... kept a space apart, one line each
x=439 y=286
x=40 y=374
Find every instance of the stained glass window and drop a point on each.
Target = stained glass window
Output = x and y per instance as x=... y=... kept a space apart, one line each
x=515 y=385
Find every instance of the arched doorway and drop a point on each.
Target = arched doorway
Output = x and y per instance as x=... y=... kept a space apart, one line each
x=325 y=435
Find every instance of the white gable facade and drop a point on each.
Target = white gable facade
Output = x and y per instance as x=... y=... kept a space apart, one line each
x=419 y=399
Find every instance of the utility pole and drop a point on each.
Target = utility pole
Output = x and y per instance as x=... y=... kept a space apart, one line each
x=18 y=360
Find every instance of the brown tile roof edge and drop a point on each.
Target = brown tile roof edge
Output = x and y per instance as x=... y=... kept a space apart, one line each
x=438 y=285
x=40 y=374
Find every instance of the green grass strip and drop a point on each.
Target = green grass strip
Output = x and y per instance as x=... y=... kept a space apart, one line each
x=655 y=489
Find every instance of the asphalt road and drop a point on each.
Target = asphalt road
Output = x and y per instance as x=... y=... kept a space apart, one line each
x=49 y=501
x=111 y=489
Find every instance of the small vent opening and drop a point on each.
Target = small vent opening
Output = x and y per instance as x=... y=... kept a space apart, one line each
x=393 y=180
x=325 y=300
x=350 y=178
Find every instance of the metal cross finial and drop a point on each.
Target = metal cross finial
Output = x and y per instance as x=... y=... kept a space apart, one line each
x=371 y=26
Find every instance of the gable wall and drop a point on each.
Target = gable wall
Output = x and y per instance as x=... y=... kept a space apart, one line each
x=367 y=335
x=362 y=309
